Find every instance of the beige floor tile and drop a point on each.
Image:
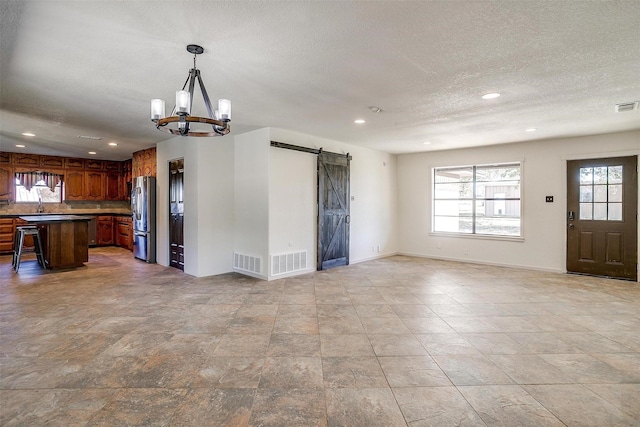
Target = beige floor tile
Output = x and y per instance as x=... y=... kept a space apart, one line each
x=345 y=345
x=396 y=345
x=508 y=405
x=413 y=371
x=465 y=369
x=371 y=407
x=575 y=405
x=436 y=406
x=354 y=372
x=294 y=345
x=216 y=407
x=292 y=372
x=288 y=407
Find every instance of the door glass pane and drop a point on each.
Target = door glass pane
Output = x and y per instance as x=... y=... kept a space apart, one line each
x=586 y=175
x=586 y=211
x=586 y=193
x=600 y=211
x=615 y=211
x=615 y=174
x=615 y=193
x=600 y=193
x=600 y=175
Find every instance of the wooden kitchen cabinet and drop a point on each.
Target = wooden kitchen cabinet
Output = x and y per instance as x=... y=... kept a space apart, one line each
x=105 y=235
x=7 y=230
x=74 y=185
x=124 y=233
x=91 y=164
x=7 y=182
x=71 y=163
x=51 y=162
x=127 y=168
x=112 y=186
x=26 y=159
x=94 y=185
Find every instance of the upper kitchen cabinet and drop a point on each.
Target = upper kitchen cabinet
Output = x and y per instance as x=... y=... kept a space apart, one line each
x=90 y=164
x=70 y=163
x=52 y=162
x=112 y=186
x=7 y=182
x=74 y=185
x=144 y=162
x=20 y=159
x=94 y=185
x=7 y=179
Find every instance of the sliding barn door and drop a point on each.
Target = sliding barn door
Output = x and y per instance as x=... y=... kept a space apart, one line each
x=333 y=210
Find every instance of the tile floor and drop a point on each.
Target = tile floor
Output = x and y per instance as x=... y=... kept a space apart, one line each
x=393 y=342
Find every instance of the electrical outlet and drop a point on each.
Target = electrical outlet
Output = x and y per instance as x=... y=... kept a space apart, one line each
x=439 y=245
x=465 y=251
x=379 y=248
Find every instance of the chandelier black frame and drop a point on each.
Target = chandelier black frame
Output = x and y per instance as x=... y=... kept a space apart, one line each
x=180 y=115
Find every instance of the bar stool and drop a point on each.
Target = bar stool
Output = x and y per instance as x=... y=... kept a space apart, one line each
x=18 y=244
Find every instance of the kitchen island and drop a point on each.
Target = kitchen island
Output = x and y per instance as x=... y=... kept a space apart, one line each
x=65 y=239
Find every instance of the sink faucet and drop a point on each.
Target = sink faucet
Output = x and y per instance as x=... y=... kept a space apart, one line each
x=40 y=207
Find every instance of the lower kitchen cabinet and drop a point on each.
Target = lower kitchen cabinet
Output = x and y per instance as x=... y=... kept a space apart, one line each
x=7 y=230
x=105 y=231
x=124 y=232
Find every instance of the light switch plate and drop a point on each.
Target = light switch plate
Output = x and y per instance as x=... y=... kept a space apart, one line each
x=548 y=199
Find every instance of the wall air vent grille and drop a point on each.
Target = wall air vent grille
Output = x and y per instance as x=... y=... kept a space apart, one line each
x=251 y=264
x=627 y=106
x=289 y=262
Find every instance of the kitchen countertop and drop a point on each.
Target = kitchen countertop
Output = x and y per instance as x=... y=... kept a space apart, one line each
x=55 y=218
x=91 y=214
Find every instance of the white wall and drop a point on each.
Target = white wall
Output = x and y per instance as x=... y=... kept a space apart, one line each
x=544 y=173
x=208 y=203
x=292 y=205
x=251 y=192
x=372 y=187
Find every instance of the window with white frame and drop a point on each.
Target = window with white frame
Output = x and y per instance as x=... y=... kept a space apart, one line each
x=479 y=199
x=41 y=187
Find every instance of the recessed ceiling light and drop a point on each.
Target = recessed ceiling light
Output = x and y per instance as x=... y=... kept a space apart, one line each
x=530 y=130
x=113 y=144
x=20 y=145
x=92 y=152
x=359 y=121
x=427 y=142
x=375 y=109
x=28 y=134
x=490 y=95
x=94 y=138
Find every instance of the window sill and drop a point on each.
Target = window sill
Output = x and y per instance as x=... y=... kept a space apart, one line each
x=478 y=236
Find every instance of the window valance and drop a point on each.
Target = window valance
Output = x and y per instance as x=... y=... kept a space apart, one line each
x=29 y=179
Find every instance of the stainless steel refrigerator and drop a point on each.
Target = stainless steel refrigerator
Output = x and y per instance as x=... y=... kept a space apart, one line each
x=143 y=210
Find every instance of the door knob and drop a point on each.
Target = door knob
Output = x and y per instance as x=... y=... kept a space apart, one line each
x=571 y=226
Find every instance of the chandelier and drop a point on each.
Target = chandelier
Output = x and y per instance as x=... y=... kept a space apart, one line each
x=180 y=122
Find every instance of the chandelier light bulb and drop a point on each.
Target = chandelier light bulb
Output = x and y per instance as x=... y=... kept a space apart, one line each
x=157 y=109
x=183 y=102
x=224 y=110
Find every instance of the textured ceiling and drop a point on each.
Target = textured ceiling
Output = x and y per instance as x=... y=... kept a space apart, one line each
x=72 y=68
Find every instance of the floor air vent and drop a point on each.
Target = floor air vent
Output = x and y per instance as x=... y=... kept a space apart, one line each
x=289 y=262
x=248 y=263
